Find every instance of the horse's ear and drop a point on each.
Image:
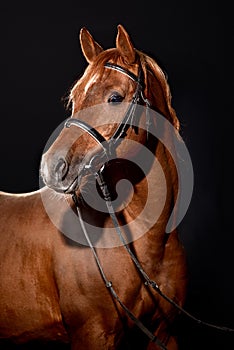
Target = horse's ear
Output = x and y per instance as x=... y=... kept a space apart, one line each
x=124 y=45
x=89 y=46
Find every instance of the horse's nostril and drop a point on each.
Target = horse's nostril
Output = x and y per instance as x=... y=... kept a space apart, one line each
x=61 y=168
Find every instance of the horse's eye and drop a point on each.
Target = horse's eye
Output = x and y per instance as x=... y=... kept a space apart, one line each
x=115 y=98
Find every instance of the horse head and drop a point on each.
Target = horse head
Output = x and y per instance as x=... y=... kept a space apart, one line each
x=103 y=103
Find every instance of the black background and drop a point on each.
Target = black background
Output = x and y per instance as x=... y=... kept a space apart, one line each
x=40 y=60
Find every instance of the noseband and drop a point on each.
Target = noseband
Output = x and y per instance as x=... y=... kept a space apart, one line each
x=138 y=98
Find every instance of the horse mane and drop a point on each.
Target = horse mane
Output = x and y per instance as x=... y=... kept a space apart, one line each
x=149 y=66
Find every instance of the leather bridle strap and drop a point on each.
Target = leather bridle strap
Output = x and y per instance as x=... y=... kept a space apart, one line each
x=127 y=121
x=86 y=127
x=138 y=79
x=109 y=285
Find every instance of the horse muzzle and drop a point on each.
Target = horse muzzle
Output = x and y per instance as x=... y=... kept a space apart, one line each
x=66 y=174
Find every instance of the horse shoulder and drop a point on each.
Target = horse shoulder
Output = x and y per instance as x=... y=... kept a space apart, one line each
x=27 y=284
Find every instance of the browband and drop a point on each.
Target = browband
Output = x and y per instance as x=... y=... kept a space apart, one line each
x=126 y=72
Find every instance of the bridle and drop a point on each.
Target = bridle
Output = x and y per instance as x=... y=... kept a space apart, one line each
x=108 y=147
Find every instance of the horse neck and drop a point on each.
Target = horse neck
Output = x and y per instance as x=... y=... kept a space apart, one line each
x=157 y=190
x=146 y=214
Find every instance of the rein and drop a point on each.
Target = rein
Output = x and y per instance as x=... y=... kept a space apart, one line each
x=108 y=147
x=107 y=282
x=148 y=281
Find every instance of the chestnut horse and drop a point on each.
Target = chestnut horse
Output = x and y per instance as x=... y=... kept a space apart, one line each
x=88 y=290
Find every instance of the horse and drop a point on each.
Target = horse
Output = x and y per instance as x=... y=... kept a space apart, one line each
x=65 y=277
